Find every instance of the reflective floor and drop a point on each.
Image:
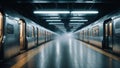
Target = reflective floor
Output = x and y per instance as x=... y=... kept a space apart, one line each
x=64 y=53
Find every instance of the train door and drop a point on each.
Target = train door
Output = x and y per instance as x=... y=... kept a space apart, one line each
x=88 y=35
x=45 y=36
x=39 y=39
x=108 y=34
x=22 y=34
x=1 y=29
x=41 y=36
x=37 y=35
x=1 y=35
x=82 y=35
x=33 y=35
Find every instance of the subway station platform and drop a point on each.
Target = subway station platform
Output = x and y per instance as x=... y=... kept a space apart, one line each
x=45 y=33
x=64 y=53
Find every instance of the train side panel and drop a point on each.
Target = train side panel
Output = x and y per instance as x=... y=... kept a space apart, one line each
x=31 y=39
x=11 y=37
x=97 y=35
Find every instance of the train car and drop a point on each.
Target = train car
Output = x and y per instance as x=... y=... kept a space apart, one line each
x=18 y=34
x=104 y=33
x=115 y=35
x=10 y=29
x=96 y=34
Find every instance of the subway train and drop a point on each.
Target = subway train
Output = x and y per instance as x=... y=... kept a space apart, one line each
x=103 y=33
x=18 y=34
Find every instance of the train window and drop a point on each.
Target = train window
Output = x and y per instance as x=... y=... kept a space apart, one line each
x=88 y=33
x=10 y=29
x=28 y=31
x=33 y=32
x=110 y=28
x=40 y=33
x=117 y=25
x=106 y=29
x=80 y=33
x=117 y=28
x=95 y=31
x=85 y=33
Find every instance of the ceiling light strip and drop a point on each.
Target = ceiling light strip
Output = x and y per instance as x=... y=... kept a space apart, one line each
x=76 y=23
x=51 y=12
x=79 y=20
x=53 y=20
x=85 y=12
x=55 y=17
x=65 y=12
x=56 y=23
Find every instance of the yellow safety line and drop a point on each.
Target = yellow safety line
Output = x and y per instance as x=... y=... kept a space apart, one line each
x=30 y=54
x=103 y=52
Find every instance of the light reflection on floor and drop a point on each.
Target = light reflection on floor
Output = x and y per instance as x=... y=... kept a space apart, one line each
x=58 y=57
x=66 y=52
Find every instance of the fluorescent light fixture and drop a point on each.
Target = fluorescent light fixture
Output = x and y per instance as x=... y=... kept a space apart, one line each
x=56 y=23
x=77 y=17
x=85 y=12
x=76 y=23
x=55 y=17
x=51 y=12
x=53 y=20
x=78 y=20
